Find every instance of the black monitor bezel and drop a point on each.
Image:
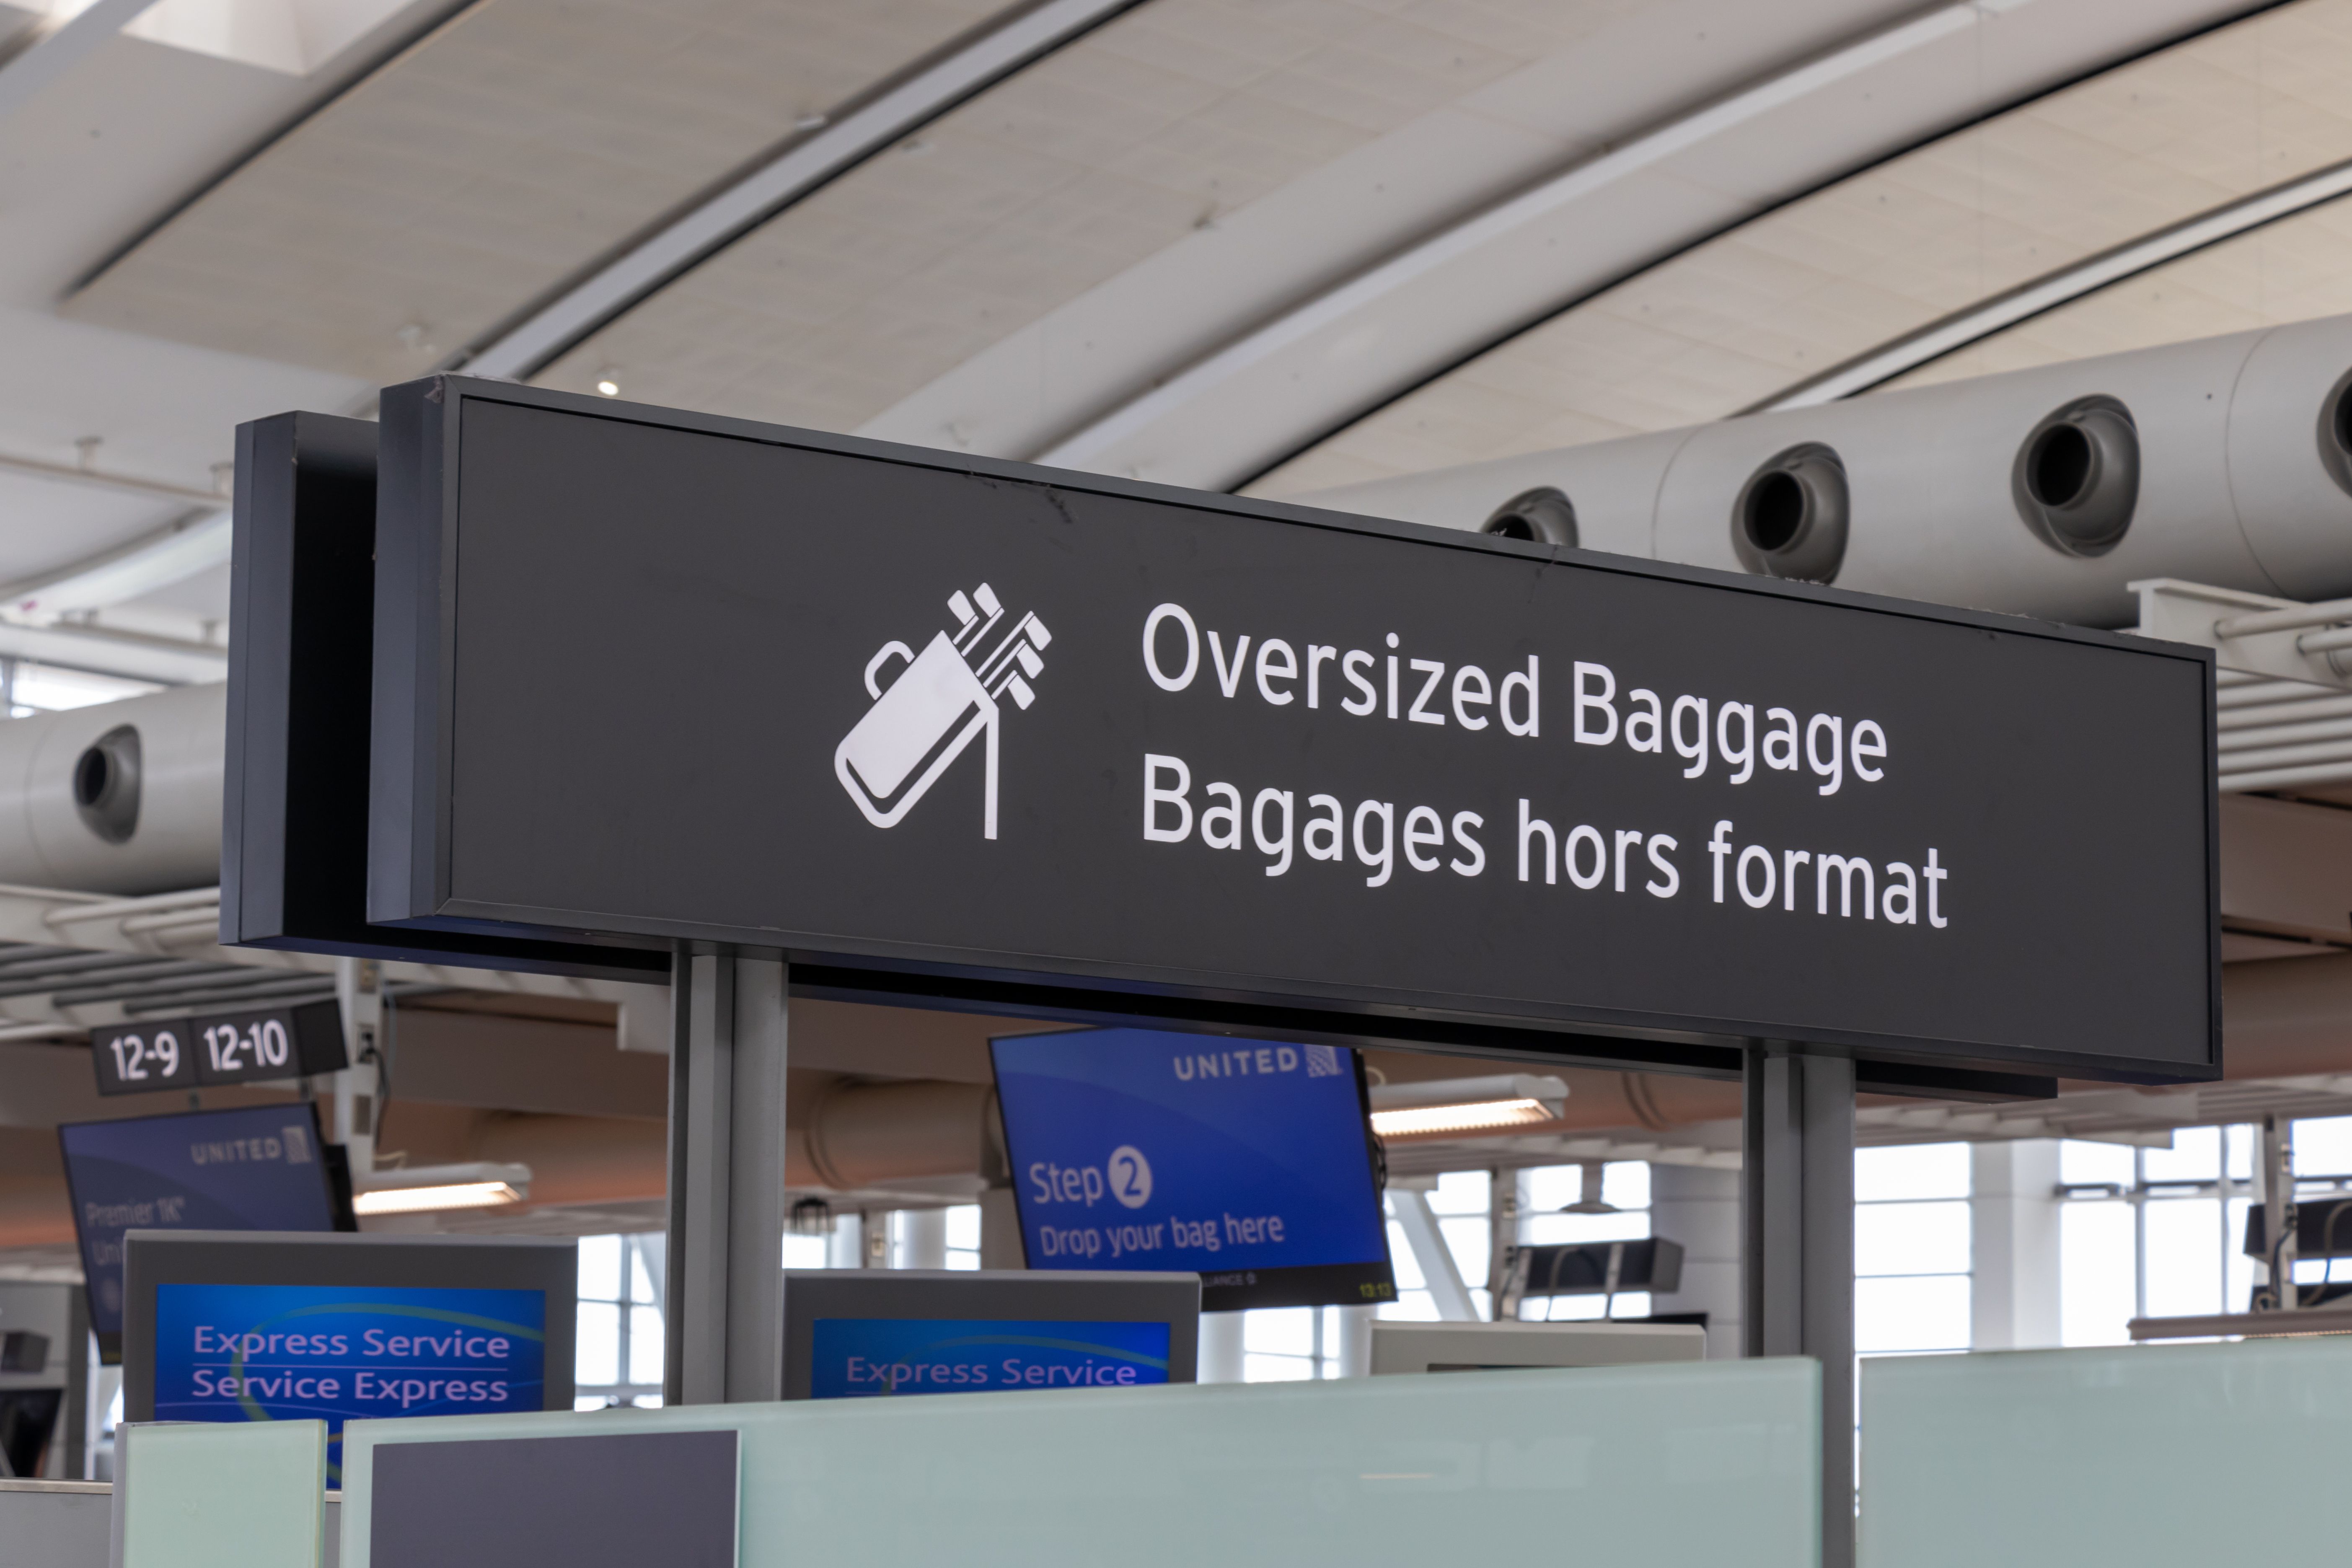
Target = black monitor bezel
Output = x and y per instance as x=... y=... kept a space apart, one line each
x=1309 y=1285
x=1001 y=1294
x=155 y=1257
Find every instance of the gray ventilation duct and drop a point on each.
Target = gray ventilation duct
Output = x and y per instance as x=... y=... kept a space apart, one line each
x=2076 y=479
x=1540 y=516
x=2043 y=491
x=1790 y=516
x=124 y=797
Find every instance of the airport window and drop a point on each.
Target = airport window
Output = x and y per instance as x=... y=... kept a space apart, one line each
x=963 y=1237
x=2161 y=1232
x=1911 y=1250
x=1459 y=1201
x=1290 y=1345
x=619 y=1359
x=1554 y=1208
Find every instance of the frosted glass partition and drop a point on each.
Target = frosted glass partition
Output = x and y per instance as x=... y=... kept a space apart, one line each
x=221 y=1495
x=1700 y=1464
x=2156 y=1454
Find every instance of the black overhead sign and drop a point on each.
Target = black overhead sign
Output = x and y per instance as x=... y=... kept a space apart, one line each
x=255 y=1046
x=663 y=677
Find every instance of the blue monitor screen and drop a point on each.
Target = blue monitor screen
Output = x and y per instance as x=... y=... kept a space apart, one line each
x=859 y=1358
x=255 y=1169
x=1245 y=1162
x=339 y=1352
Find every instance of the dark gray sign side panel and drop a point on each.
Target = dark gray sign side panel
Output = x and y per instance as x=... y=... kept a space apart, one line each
x=295 y=796
x=405 y=777
x=275 y=459
x=666 y=618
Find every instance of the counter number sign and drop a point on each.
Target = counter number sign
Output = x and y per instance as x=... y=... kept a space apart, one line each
x=272 y=1042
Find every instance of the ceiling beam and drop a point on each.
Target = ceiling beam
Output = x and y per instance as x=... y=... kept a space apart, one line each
x=170 y=554
x=99 y=650
x=101 y=478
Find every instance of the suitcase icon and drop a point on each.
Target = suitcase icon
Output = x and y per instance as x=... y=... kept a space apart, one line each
x=939 y=704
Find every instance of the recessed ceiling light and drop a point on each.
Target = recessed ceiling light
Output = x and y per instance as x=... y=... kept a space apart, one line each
x=609 y=387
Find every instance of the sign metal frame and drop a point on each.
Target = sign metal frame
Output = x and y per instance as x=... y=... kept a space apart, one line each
x=410 y=837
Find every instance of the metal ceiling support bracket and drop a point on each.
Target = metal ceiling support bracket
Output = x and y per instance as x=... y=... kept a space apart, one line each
x=106 y=478
x=2283 y=723
x=2252 y=633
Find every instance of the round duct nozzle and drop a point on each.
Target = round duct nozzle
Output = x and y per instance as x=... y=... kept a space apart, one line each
x=2077 y=476
x=1540 y=516
x=2335 y=433
x=1791 y=517
x=106 y=785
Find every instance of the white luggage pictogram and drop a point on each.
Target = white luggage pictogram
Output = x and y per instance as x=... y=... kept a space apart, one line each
x=938 y=703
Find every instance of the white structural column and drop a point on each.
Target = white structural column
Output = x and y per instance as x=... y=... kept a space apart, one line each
x=1000 y=1231
x=922 y=1239
x=846 y=1248
x=1353 y=1353
x=1221 y=1347
x=1699 y=1208
x=726 y=1323
x=2014 y=1246
x=1797 y=1219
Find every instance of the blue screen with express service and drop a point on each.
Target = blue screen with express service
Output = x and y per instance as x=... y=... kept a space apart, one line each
x=342 y=1352
x=1245 y=1162
x=855 y=1358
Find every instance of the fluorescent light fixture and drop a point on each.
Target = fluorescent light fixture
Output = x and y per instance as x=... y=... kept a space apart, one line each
x=1465 y=1104
x=480 y=1185
x=421 y=1200
x=1480 y=1116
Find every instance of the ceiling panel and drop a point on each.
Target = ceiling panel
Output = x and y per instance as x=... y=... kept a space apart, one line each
x=1732 y=323
x=1155 y=126
x=2292 y=270
x=514 y=145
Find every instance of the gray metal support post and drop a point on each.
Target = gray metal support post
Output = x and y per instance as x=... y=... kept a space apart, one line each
x=724 y=1329
x=1797 y=1209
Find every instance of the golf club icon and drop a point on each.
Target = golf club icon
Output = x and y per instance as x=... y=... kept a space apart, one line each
x=944 y=697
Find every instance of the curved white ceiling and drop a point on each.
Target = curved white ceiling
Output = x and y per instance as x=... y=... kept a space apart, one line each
x=1187 y=244
x=1170 y=122
x=1188 y=238
x=486 y=165
x=2181 y=134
